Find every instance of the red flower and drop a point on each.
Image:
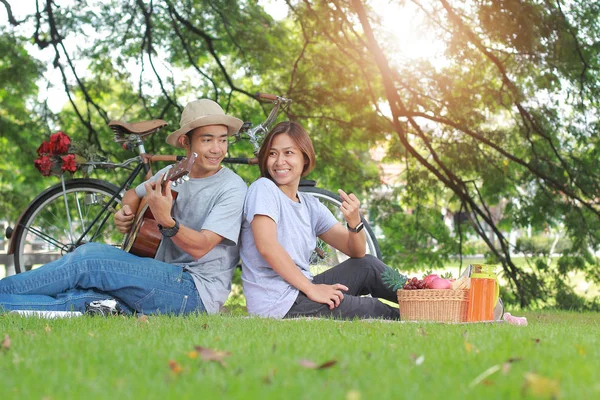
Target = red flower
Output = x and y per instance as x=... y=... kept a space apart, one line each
x=44 y=165
x=60 y=143
x=44 y=149
x=68 y=163
x=54 y=157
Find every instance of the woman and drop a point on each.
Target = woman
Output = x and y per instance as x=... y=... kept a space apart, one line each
x=279 y=233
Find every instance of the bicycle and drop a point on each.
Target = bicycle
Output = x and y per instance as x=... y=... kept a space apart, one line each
x=76 y=211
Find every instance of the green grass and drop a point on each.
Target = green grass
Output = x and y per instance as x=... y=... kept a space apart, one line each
x=125 y=357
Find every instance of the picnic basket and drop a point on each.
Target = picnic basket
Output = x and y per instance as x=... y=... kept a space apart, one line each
x=440 y=305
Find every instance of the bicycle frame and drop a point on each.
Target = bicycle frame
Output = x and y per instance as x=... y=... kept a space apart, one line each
x=104 y=196
x=144 y=161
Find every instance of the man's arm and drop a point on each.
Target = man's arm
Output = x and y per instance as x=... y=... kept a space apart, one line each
x=195 y=243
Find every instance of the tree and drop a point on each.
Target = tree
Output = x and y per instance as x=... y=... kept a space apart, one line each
x=479 y=127
x=502 y=134
x=20 y=123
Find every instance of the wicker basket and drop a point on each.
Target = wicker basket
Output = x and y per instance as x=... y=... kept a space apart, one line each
x=443 y=305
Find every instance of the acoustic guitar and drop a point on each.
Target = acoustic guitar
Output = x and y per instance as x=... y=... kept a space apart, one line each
x=144 y=237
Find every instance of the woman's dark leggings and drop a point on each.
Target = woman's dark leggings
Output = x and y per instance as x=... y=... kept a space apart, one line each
x=362 y=276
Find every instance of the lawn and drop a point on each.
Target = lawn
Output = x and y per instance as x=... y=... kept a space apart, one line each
x=156 y=357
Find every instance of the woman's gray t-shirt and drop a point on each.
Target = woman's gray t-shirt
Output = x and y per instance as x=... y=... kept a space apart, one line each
x=298 y=225
x=213 y=203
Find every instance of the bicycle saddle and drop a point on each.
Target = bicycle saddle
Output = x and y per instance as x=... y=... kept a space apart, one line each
x=136 y=128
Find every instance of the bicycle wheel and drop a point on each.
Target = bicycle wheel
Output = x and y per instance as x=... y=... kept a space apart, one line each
x=324 y=256
x=54 y=222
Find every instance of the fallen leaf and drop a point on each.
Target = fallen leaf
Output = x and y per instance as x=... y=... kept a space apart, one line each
x=269 y=377
x=193 y=354
x=540 y=386
x=91 y=334
x=487 y=382
x=327 y=364
x=48 y=329
x=212 y=355
x=313 y=365
x=353 y=395
x=417 y=359
x=484 y=375
x=308 y=364
x=470 y=348
x=175 y=367
x=423 y=332
x=6 y=343
x=204 y=326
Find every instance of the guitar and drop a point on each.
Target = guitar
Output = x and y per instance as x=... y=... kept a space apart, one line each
x=144 y=237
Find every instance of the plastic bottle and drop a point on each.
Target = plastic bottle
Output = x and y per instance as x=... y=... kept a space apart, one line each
x=483 y=293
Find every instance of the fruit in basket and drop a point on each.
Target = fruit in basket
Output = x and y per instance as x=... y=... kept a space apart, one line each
x=440 y=283
x=414 y=284
x=430 y=278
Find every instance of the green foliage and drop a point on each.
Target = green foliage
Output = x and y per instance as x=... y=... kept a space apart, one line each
x=21 y=125
x=393 y=278
x=541 y=245
x=414 y=236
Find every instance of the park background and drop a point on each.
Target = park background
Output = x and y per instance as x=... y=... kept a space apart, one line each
x=469 y=129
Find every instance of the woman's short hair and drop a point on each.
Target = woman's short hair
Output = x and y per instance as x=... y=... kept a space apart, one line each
x=297 y=133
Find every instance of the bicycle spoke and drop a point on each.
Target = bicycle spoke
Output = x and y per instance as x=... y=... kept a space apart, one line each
x=46 y=238
x=99 y=226
x=59 y=220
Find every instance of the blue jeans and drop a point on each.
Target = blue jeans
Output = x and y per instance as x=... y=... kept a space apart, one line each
x=95 y=272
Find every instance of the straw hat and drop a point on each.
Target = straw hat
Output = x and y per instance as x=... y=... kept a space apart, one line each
x=201 y=113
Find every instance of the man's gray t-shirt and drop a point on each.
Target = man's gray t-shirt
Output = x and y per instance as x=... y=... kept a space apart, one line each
x=298 y=225
x=213 y=203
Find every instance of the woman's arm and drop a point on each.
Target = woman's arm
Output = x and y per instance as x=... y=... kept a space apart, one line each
x=264 y=230
x=353 y=244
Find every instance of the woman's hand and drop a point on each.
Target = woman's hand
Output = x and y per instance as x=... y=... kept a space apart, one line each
x=327 y=294
x=350 y=208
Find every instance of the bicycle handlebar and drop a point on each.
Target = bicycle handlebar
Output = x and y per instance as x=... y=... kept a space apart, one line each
x=241 y=160
x=266 y=96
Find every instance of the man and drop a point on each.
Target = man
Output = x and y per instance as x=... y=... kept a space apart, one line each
x=194 y=264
